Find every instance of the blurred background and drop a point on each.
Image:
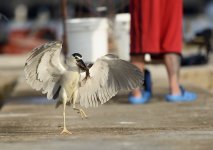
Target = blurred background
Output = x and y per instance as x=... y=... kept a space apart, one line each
x=93 y=28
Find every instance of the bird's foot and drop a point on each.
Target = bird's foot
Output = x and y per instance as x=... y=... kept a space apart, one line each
x=81 y=112
x=65 y=131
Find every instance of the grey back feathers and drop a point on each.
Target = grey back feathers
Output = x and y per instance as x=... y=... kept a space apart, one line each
x=108 y=75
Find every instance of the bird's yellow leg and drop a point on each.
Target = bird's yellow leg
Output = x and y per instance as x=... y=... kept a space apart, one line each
x=65 y=131
x=80 y=111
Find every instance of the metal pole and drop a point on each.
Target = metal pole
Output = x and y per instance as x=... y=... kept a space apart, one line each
x=64 y=17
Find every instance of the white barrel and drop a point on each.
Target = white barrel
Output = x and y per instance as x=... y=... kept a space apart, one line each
x=122 y=31
x=88 y=36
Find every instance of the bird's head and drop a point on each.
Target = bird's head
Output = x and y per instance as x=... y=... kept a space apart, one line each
x=79 y=61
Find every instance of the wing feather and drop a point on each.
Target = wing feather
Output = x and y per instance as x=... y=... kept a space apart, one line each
x=108 y=75
x=43 y=68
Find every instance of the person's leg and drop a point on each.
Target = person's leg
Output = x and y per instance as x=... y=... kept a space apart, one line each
x=171 y=47
x=139 y=62
x=172 y=63
x=177 y=92
x=144 y=38
x=136 y=56
x=141 y=96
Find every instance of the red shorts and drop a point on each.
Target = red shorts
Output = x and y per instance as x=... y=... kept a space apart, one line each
x=156 y=26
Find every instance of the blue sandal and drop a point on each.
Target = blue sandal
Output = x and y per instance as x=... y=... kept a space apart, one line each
x=146 y=93
x=140 y=100
x=186 y=96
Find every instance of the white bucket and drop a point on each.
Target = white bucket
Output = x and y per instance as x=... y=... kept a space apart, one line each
x=88 y=36
x=122 y=31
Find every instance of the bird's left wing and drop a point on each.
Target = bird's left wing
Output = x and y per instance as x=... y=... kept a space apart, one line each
x=108 y=75
x=44 y=68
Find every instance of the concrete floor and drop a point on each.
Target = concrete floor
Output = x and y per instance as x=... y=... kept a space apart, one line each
x=34 y=123
x=117 y=125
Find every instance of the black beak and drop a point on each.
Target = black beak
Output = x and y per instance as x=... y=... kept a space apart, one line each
x=82 y=65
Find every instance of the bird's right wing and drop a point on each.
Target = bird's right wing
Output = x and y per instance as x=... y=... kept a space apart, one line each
x=108 y=75
x=43 y=68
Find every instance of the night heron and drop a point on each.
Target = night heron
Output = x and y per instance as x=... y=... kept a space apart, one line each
x=72 y=81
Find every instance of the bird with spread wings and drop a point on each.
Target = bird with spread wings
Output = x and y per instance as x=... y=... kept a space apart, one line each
x=72 y=81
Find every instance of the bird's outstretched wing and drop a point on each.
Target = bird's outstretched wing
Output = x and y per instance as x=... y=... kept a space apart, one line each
x=43 y=68
x=108 y=75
